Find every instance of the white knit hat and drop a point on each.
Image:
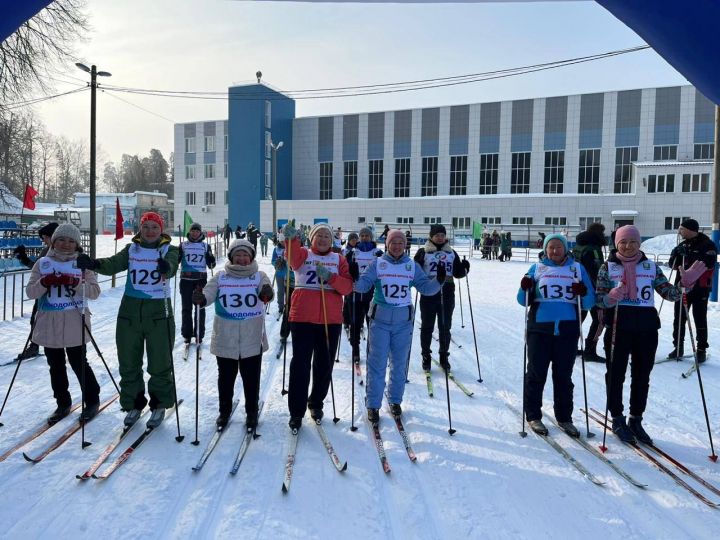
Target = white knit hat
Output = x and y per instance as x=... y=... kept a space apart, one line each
x=66 y=230
x=242 y=245
x=319 y=227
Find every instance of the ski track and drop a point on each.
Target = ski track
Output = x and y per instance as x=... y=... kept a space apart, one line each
x=481 y=482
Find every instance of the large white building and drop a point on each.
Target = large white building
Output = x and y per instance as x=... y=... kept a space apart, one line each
x=641 y=156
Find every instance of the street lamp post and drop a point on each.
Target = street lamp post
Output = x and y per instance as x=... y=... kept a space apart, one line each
x=94 y=73
x=275 y=148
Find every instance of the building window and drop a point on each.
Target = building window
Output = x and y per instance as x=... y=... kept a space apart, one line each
x=488 y=174
x=268 y=174
x=624 y=157
x=696 y=183
x=661 y=183
x=704 y=151
x=349 y=179
x=555 y=221
x=377 y=219
x=490 y=220
x=189 y=172
x=189 y=198
x=458 y=175
x=209 y=170
x=585 y=221
x=226 y=196
x=361 y=219
x=375 y=189
x=428 y=187
x=461 y=223
x=209 y=198
x=432 y=220
x=664 y=153
x=268 y=145
x=190 y=145
x=405 y=220
x=554 y=171
x=402 y=177
x=672 y=223
x=589 y=171
x=225 y=142
x=225 y=170
x=268 y=114
x=520 y=173
x=522 y=221
x=210 y=143
x=326 y=181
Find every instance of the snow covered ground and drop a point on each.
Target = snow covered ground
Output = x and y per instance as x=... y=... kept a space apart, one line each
x=483 y=482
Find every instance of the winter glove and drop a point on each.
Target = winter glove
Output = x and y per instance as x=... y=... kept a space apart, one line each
x=578 y=289
x=163 y=266
x=527 y=283
x=198 y=297
x=20 y=252
x=323 y=273
x=84 y=262
x=58 y=279
x=289 y=231
x=280 y=264
x=379 y=253
x=266 y=293
x=690 y=276
x=619 y=293
x=210 y=258
x=354 y=271
x=466 y=265
x=441 y=272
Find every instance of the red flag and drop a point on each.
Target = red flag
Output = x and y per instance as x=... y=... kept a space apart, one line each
x=119 y=229
x=29 y=198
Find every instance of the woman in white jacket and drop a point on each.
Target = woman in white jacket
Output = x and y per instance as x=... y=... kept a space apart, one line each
x=239 y=292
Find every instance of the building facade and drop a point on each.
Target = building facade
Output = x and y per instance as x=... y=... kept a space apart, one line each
x=636 y=156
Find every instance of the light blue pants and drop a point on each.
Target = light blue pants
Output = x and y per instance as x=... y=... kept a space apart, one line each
x=389 y=346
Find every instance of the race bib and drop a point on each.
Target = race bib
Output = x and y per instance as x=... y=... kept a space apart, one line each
x=364 y=258
x=554 y=283
x=143 y=279
x=194 y=257
x=645 y=273
x=395 y=281
x=59 y=297
x=237 y=298
x=433 y=259
x=306 y=276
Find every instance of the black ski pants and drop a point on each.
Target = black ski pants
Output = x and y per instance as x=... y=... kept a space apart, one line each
x=596 y=322
x=545 y=350
x=59 y=379
x=697 y=300
x=641 y=345
x=310 y=351
x=249 y=373
x=360 y=304
x=187 y=286
x=432 y=307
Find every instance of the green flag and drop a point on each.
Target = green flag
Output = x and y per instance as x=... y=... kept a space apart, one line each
x=477 y=230
x=187 y=223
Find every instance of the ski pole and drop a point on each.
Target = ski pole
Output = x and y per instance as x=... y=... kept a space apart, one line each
x=272 y=286
x=663 y=300
x=451 y=431
x=582 y=357
x=523 y=433
x=462 y=317
x=327 y=345
x=17 y=368
x=407 y=363
x=166 y=301
x=83 y=364
x=286 y=310
x=472 y=320
x=97 y=350
x=712 y=456
x=353 y=427
x=609 y=375
x=197 y=370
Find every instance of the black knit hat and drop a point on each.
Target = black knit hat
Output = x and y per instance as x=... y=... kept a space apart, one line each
x=437 y=228
x=690 y=225
x=47 y=230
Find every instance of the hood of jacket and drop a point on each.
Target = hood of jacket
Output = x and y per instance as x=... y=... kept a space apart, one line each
x=392 y=260
x=588 y=238
x=432 y=247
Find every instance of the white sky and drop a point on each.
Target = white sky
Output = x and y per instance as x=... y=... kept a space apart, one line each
x=212 y=44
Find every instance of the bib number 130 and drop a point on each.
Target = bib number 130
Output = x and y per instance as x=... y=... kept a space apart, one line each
x=399 y=292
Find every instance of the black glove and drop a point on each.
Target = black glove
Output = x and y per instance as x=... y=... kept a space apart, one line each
x=527 y=283
x=84 y=262
x=210 y=258
x=579 y=289
x=198 y=298
x=466 y=265
x=379 y=253
x=20 y=252
x=354 y=271
x=266 y=293
x=441 y=272
x=163 y=266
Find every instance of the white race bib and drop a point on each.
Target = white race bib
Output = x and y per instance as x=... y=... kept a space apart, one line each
x=432 y=260
x=60 y=297
x=364 y=258
x=554 y=283
x=645 y=273
x=194 y=257
x=395 y=281
x=306 y=276
x=143 y=279
x=237 y=298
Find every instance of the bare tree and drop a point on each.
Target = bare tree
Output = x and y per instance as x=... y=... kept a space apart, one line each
x=72 y=170
x=111 y=178
x=28 y=55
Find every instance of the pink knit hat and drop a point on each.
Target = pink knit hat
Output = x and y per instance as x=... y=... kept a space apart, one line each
x=627 y=232
x=392 y=234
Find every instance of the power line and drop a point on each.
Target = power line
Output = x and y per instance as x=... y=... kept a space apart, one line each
x=137 y=106
x=37 y=100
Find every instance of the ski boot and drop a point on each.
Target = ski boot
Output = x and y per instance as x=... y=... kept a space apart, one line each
x=156 y=418
x=635 y=425
x=621 y=429
x=295 y=423
x=251 y=421
x=131 y=417
x=676 y=354
x=373 y=416
x=569 y=428
x=445 y=363
x=222 y=420
x=590 y=354
x=32 y=351
x=396 y=410
x=538 y=427
x=59 y=414
x=701 y=355
x=89 y=413
x=426 y=362
x=316 y=415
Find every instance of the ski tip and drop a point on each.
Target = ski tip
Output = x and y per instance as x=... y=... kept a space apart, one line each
x=82 y=476
x=285 y=488
x=28 y=458
x=344 y=467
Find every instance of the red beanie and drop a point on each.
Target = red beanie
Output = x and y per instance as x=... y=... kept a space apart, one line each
x=152 y=216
